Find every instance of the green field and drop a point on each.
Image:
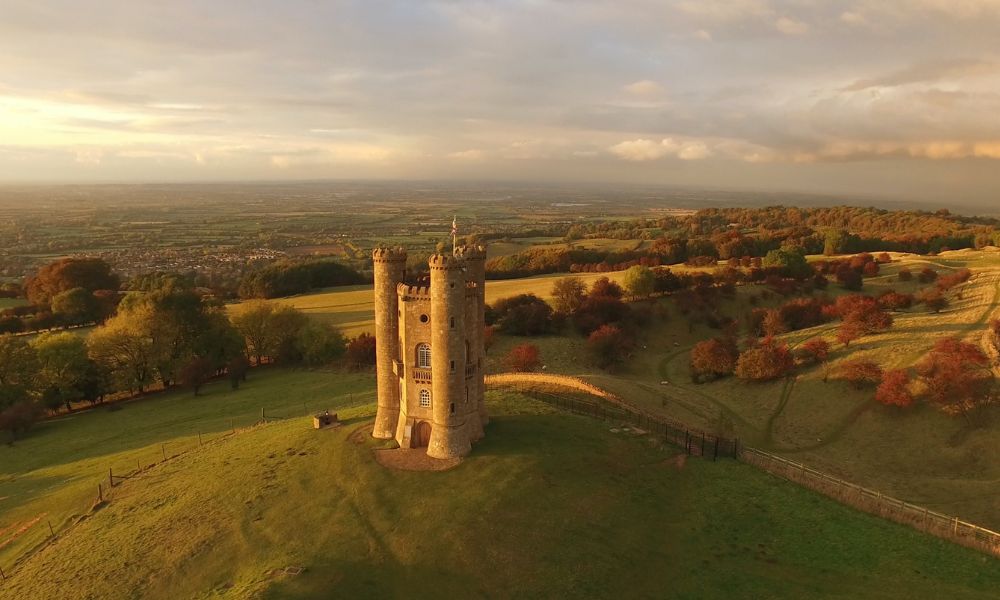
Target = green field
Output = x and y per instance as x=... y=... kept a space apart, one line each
x=352 y=310
x=11 y=302
x=920 y=455
x=548 y=505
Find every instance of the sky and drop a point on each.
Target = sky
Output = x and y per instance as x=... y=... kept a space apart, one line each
x=878 y=97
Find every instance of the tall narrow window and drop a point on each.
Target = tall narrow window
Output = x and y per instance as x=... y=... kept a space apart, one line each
x=423 y=356
x=425 y=398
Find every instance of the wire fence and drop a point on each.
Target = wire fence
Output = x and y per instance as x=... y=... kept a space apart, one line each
x=20 y=541
x=695 y=442
x=698 y=443
x=874 y=502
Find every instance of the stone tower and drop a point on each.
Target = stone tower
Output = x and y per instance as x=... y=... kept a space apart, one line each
x=429 y=347
x=390 y=265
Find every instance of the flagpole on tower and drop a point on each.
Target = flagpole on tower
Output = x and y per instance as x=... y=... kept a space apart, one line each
x=454 y=235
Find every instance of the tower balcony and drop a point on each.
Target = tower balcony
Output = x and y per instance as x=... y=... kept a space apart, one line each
x=421 y=375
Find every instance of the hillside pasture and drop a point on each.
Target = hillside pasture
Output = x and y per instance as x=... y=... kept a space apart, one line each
x=549 y=504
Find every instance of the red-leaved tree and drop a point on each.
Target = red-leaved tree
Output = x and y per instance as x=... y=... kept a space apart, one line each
x=523 y=358
x=714 y=358
x=895 y=389
x=957 y=377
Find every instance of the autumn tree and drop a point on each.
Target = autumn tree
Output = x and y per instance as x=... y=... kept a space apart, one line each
x=609 y=347
x=957 y=377
x=714 y=358
x=766 y=360
x=361 y=352
x=90 y=274
x=523 y=358
x=568 y=293
x=859 y=373
x=524 y=314
x=848 y=331
x=894 y=390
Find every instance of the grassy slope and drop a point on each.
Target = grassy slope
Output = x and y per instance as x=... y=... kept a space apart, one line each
x=921 y=455
x=54 y=472
x=11 y=302
x=549 y=505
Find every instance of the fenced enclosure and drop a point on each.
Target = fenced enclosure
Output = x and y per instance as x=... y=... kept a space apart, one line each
x=876 y=503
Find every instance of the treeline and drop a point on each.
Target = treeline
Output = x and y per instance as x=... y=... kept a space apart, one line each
x=67 y=292
x=164 y=337
x=710 y=235
x=290 y=278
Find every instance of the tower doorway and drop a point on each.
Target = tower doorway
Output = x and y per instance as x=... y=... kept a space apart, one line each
x=421 y=435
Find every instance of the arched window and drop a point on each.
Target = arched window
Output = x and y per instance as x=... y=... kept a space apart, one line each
x=425 y=398
x=423 y=356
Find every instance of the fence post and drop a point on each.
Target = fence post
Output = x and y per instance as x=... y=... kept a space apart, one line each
x=262 y=413
x=232 y=425
x=111 y=478
x=2 y=576
x=100 y=493
x=51 y=532
x=703 y=444
x=163 y=451
x=715 y=455
x=138 y=467
x=199 y=438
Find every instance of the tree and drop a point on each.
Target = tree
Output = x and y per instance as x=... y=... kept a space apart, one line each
x=196 y=372
x=568 y=294
x=790 y=260
x=714 y=358
x=523 y=358
x=598 y=310
x=895 y=389
x=848 y=332
x=860 y=372
x=639 y=281
x=934 y=300
x=524 y=314
x=489 y=332
x=957 y=377
x=904 y=274
x=608 y=347
x=849 y=278
x=773 y=324
x=237 y=369
x=604 y=287
x=64 y=366
x=253 y=321
x=768 y=359
x=91 y=274
x=361 y=352
x=320 y=344
x=125 y=350
x=893 y=300
x=76 y=306
x=18 y=364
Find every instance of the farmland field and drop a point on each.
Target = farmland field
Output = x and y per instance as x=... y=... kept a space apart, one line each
x=569 y=506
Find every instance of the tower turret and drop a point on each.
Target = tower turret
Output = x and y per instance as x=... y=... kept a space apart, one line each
x=449 y=434
x=475 y=263
x=390 y=265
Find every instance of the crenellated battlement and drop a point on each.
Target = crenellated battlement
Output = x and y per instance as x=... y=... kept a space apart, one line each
x=472 y=252
x=445 y=262
x=385 y=255
x=413 y=292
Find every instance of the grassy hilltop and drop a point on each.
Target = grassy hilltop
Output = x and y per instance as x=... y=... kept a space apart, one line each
x=921 y=455
x=549 y=505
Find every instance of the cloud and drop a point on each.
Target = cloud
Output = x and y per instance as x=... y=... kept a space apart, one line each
x=471 y=154
x=928 y=72
x=644 y=150
x=789 y=26
x=645 y=88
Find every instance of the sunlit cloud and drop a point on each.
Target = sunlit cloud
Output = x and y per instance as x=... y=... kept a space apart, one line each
x=138 y=91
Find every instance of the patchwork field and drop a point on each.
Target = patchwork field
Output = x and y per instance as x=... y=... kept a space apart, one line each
x=549 y=505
